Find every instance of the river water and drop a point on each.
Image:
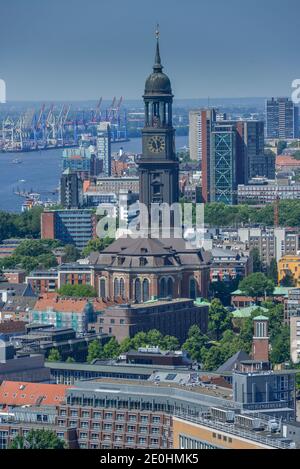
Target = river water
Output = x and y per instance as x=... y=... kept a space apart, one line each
x=40 y=172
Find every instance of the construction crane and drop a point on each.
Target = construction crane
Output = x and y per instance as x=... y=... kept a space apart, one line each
x=50 y=127
x=96 y=114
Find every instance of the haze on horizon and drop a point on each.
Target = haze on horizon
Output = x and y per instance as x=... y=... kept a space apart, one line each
x=71 y=50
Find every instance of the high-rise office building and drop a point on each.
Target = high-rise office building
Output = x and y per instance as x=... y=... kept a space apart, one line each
x=70 y=189
x=195 y=134
x=104 y=146
x=200 y=121
x=82 y=160
x=69 y=226
x=223 y=163
x=282 y=118
x=253 y=161
x=232 y=153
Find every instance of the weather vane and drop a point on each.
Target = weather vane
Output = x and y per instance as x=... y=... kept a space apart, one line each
x=157 y=31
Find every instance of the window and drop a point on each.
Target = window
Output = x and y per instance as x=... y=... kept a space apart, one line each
x=116 y=287
x=170 y=287
x=162 y=288
x=137 y=289
x=143 y=261
x=155 y=430
x=155 y=419
x=122 y=288
x=145 y=290
x=103 y=287
x=193 y=288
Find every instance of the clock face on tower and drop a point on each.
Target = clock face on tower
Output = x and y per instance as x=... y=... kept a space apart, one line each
x=156 y=144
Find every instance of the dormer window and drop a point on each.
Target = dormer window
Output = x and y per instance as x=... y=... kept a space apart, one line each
x=143 y=261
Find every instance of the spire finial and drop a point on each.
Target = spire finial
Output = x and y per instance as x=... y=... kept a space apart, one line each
x=157 y=63
x=157 y=31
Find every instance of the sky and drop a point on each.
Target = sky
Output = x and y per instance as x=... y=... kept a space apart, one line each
x=79 y=50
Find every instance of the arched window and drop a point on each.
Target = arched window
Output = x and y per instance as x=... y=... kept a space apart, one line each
x=122 y=288
x=116 y=287
x=137 y=290
x=170 y=287
x=103 y=288
x=193 y=288
x=162 y=288
x=145 y=290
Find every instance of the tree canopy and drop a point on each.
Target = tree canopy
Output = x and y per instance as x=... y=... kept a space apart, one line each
x=32 y=254
x=38 y=439
x=220 y=214
x=84 y=291
x=257 y=285
x=288 y=280
x=96 y=245
x=219 y=319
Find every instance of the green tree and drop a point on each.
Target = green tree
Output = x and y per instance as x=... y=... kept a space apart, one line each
x=139 y=340
x=257 y=264
x=272 y=271
x=287 y=280
x=83 y=291
x=96 y=245
x=170 y=342
x=281 y=145
x=70 y=360
x=126 y=345
x=219 y=319
x=257 y=285
x=54 y=355
x=223 y=289
x=95 y=351
x=71 y=253
x=111 y=349
x=195 y=343
x=212 y=358
x=280 y=351
x=38 y=439
x=154 y=338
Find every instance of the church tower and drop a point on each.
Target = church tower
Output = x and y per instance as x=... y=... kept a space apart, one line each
x=158 y=165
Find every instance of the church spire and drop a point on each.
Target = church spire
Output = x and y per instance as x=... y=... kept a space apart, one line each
x=157 y=67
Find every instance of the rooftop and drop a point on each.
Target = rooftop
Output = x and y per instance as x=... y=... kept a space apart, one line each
x=247 y=311
x=61 y=304
x=18 y=393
